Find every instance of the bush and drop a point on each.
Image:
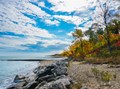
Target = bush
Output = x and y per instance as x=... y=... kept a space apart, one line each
x=106 y=76
x=95 y=71
x=76 y=86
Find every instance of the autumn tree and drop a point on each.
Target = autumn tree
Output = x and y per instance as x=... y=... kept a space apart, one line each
x=104 y=14
x=78 y=35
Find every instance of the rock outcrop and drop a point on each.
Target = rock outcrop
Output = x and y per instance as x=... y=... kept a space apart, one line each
x=53 y=76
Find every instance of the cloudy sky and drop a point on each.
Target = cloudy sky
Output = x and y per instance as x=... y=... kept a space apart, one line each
x=42 y=27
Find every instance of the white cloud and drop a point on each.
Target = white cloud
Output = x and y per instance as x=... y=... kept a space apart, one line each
x=12 y=19
x=54 y=22
x=71 y=19
x=82 y=28
x=98 y=15
x=55 y=42
x=42 y=4
x=70 y=33
x=20 y=43
x=32 y=9
x=69 y=5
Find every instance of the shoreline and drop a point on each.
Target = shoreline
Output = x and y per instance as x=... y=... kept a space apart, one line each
x=45 y=72
x=43 y=59
x=78 y=74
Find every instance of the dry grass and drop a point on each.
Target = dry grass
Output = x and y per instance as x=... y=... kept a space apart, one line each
x=111 y=60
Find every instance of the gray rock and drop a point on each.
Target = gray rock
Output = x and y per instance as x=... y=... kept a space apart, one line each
x=18 y=85
x=19 y=78
x=62 y=83
x=48 y=77
x=59 y=70
x=31 y=85
x=39 y=69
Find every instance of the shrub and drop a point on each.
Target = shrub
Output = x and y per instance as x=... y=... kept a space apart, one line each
x=106 y=76
x=95 y=71
x=76 y=86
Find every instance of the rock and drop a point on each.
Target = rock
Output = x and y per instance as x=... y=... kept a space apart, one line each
x=46 y=78
x=59 y=70
x=57 y=86
x=31 y=85
x=12 y=87
x=56 y=69
x=41 y=84
x=18 y=85
x=62 y=83
x=53 y=76
x=47 y=71
x=62 y=63
x=39 y=69
x=19 y=78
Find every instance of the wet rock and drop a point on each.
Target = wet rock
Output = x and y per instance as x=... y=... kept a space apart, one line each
x=19 y=78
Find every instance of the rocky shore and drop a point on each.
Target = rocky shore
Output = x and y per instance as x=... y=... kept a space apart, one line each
x=53 y=76
x=75 y=75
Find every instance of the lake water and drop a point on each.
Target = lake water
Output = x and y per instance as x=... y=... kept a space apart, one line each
x=8 y=70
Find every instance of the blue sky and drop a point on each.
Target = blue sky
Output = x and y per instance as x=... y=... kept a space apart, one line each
x=42 y=27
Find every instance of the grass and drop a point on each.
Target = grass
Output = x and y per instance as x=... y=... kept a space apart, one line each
x=103 y=76
x=110 y=60
x=76 y=86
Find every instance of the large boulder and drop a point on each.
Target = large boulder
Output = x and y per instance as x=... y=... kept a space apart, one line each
x=62 y=83
x=59 y=70
x=56 y=69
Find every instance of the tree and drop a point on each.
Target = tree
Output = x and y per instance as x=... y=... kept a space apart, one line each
x=78 y=35
x=114 y=26
x=105 y=15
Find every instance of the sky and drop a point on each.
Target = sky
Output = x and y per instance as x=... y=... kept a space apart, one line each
x=34 y=28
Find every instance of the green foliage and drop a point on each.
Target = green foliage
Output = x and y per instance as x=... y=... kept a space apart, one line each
x=97 y=43
x=106 y=76
x=76 y=86
x=95 y=71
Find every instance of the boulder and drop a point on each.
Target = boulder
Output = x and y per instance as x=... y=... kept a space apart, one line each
x=59 y=70
x=19 y=78
x=46 y=78
x=31 y=85
x=39 y=69
x=53 y=76
x=18 y=85
x=62 y=83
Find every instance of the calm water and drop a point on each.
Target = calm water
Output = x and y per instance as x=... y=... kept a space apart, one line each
x=8 y=70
